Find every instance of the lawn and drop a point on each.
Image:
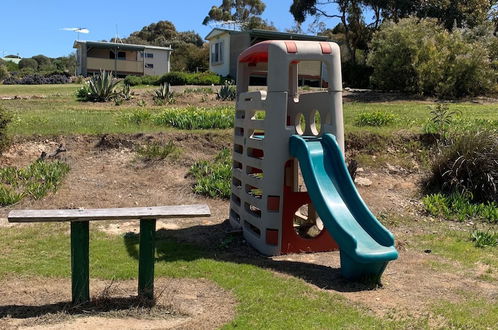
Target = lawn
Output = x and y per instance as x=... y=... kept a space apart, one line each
x=59 y=113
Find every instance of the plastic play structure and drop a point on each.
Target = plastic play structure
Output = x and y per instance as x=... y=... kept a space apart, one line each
x=281 y=137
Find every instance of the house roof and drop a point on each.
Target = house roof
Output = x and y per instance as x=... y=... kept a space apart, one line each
x=10 y=59
x=266 y=34
x=116 y=45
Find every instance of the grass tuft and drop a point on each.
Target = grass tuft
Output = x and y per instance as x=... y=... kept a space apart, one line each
x=158 y=151
x=482 y=239
x=212 y=178
x=375 y=118
x=34 y=181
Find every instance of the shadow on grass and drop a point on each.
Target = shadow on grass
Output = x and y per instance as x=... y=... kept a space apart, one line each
x=215 y=242
x=94 y=307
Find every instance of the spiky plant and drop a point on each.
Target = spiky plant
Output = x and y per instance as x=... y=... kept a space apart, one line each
x=164 y=93
x=102 y=87
x=227 y=92
x=126 y=92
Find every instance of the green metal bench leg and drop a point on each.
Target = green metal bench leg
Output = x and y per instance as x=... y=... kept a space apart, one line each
x=79 y=262
x=146 y=258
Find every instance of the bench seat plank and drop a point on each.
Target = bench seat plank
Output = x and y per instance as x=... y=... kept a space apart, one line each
x=154 y=212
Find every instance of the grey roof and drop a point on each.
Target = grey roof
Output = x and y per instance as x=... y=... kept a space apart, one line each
x=272 y=34
x=117 y=45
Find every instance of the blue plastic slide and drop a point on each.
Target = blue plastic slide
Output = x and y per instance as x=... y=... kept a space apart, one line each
x=366 y=246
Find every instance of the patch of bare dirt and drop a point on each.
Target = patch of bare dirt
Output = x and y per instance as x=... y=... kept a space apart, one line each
x=36 y=303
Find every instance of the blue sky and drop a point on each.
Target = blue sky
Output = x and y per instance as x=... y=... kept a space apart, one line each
x=32 y=27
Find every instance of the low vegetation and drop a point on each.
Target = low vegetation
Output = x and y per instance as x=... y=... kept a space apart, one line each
x=213 y=178
x=157 y=151
x=459 y=206
x=482 y=238
x=184 y=118
x=375 y=118
x=33 y=181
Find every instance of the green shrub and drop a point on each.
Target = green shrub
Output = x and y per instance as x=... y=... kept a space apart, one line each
x=157 y=151
x=28 y=63
x=420 y=56
x=195 y=118
x=175 y=78
x=375 y=118
x=35 y=181
x=468 y=164
x=459 y=206
x=441 y=119
x=212 y=178
x=482 y=239
x=183 y=78
x=133 y=80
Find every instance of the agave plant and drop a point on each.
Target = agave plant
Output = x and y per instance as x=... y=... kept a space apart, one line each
x=227 y=92
x=164 y=93
x=102 y=87
x=126 y=92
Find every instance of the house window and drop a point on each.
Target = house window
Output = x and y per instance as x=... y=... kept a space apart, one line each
x=217 y=52
x=149 y=66
x=121 y=55
x=149 y=55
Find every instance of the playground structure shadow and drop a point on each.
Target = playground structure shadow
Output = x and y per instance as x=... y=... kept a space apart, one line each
x=218 y=243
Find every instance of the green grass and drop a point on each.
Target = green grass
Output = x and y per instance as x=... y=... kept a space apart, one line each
x=483 y=239
x=458 y=246
x=264 y=299
x=60 y=113
x=469 y=313
x=34 y=181
x=459 y=207
x=213 y=178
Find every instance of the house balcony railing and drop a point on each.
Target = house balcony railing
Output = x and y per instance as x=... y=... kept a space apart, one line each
x=95 y=63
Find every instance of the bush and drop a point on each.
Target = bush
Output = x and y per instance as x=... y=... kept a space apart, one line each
x=212 y=178
x=28 y=63
x=420 y=56
x=39 y=79
x=356 y=75
x=468 y=164
x=183 y=78
x=143 y=80
x=376 y=118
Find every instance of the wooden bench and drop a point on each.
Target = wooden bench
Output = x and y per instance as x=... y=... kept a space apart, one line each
x=80 y=219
